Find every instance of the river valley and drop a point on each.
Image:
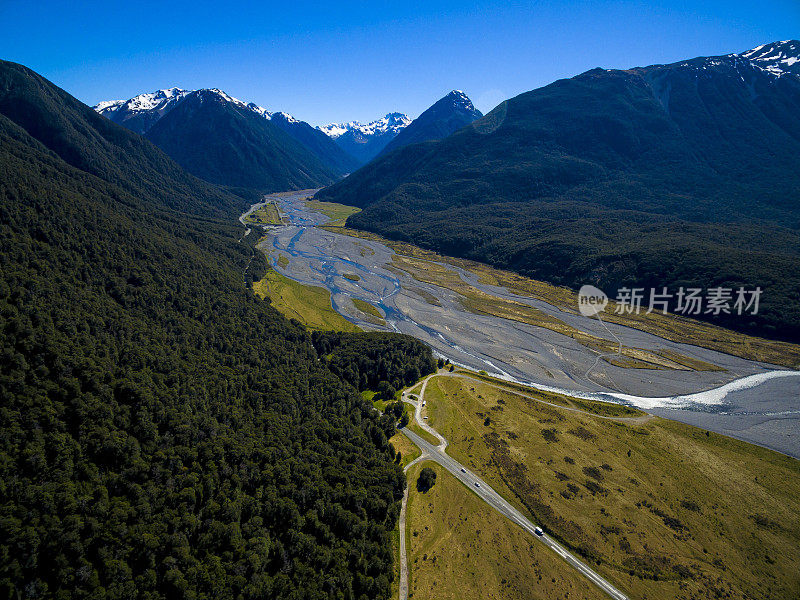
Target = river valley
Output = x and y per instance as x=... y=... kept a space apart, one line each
x=753 y=401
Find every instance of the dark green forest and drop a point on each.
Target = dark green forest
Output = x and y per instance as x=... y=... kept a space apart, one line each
x=164 y=433
x=366 y=359
x=671 y=175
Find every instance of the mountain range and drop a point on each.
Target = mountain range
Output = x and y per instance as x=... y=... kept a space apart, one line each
x=685 y=174
x=253 y=154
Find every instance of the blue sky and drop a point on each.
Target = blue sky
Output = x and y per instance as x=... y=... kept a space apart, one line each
x=325 y=61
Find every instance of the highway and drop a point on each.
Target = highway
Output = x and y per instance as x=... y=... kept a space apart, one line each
x=491 y=497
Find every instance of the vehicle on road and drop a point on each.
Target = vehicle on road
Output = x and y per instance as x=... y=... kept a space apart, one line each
x=463 y=470
x=477 y=484
x=538 y=531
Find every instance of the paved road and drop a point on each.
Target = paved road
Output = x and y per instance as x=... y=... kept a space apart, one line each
x=488 y=495
x=402 y=524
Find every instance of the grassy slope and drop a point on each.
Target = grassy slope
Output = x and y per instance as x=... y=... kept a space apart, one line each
x=461 y=549
x=308 y=304
x=409 y=452
x=414 y=426
x=689 y=513
x=402 y=444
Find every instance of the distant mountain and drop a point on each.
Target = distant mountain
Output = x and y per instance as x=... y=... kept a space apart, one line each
x=321 y=145
x=141 y=112
x=446 y=116
x=223 y=141
x=668 y=175
x=365 y=142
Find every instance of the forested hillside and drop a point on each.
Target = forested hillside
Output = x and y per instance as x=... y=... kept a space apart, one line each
x=671 y=175
x=164 y=433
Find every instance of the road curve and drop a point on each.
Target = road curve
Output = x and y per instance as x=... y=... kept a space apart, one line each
x=488 y=495
x=417 y=404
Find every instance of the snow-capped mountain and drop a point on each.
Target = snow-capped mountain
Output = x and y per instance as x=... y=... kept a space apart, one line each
x=218 y=138
x=460 y=100
x=142 y=112
x=446 y=116
x=365 y=141
x=779 y=58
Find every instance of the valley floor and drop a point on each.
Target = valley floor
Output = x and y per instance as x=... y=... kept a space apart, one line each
x=481 y=320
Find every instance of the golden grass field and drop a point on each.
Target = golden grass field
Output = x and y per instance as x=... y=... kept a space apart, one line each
x=661 y=509
x=461 y=549
x=265 y=215
x=406 y=447
x=671 y=327
x=338 y=213
x=308 y=304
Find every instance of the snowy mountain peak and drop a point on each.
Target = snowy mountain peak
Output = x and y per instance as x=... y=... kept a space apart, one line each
x=220 y=95
x=157 y=100
x=779 y=58
x=391 y=123
x=259 y=110
x=460 y=99
x=108 y=105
